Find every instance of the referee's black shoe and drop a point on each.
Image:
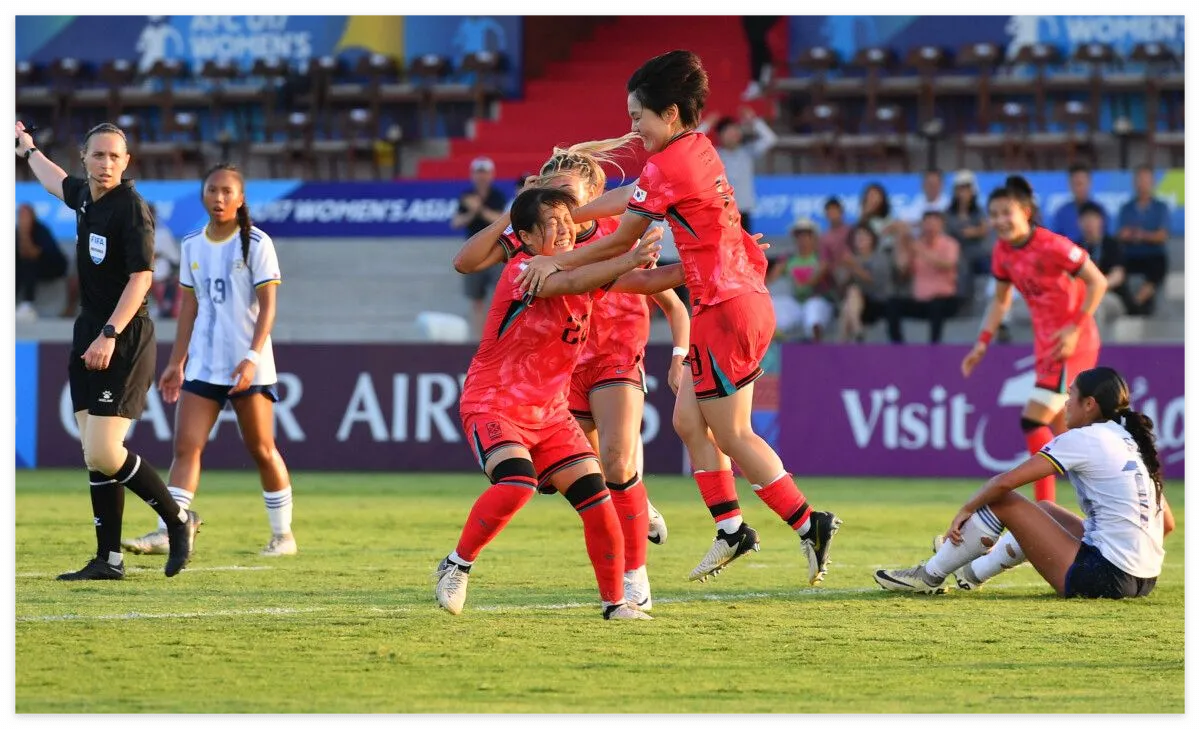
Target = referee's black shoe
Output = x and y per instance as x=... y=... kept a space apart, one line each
x=181 y=537
x=97 y=569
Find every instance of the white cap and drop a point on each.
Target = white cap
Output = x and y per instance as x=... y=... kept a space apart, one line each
x=964 y=177
x=483 y=164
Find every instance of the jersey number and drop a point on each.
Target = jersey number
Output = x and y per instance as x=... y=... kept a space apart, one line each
x=576 y=331
x=216 y=290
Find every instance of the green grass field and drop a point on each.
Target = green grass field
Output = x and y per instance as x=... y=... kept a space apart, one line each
x=350 y=624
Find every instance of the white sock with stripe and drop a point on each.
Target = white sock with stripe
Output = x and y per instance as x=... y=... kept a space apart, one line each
x=1004 y=556
x=183 y=497
x=279 y=510
x=980 y=534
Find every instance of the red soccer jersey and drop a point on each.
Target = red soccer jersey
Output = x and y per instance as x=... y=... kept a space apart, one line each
x=1044 y=271
x=686 y=184
x=620 y=322
x=529 y=349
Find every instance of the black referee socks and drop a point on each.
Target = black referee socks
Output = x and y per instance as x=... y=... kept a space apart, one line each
x=108 y=506
x=141 y=478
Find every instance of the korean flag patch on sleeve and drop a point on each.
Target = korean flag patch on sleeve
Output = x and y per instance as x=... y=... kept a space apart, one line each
x=639 y=195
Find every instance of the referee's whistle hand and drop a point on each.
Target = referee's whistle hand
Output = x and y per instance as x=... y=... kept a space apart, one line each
x=99 y=354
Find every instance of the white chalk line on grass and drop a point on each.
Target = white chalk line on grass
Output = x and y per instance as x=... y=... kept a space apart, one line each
x=137 y=570
x=709 y=597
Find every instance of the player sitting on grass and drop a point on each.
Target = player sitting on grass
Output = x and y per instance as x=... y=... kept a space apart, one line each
x=1115 y=551
x=514 y=400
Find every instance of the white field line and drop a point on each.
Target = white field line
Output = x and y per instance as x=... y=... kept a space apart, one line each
x=710 y=597
x=134 y=570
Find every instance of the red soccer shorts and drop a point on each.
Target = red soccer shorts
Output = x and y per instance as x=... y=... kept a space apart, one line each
x=729 y=341
x=586 y=380
x=554 y=445
x=1056 y=375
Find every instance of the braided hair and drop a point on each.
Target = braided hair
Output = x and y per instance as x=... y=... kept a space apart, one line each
x=1111 y=393
x=243 y=212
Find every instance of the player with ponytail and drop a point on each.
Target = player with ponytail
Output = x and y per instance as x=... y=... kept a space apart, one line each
x=223 y=353
x=1063 y=289
x=1114 y=551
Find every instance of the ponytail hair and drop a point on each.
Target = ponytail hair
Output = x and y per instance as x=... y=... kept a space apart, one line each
x=583 y=159
x=1017 y=189
x=1111 y=393
x=243 y=211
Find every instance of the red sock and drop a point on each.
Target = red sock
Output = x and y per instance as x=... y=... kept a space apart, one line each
x=629 y=499
x=605 y=547
x=1035 y=440
x=786 y=500
x=492 y=512
x=719 y=493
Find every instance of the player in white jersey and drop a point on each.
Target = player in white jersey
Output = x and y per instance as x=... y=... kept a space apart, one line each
x=1114 y=551
x=222 y=353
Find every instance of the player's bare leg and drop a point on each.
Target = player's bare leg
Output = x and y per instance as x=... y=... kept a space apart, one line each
x=194 y=420
x=617 y=411
x=729 y=419
x=256 y=418
x=1007 y=553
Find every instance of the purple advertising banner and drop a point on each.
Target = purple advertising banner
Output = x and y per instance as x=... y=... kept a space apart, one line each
x=907 y=411
x=342 y=407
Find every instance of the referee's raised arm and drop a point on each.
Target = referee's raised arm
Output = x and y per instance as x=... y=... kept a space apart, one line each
x=49 y=174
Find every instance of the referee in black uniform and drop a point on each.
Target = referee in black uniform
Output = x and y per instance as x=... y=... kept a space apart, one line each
x=112 y=352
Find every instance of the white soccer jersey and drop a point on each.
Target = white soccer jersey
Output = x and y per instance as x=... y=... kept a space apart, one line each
x=225 y=288
x=1115 y=491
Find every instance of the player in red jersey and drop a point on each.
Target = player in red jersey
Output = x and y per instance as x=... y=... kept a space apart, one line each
x=1063 y=288
x=684 y=182
x=607 y=389
x=514 y=401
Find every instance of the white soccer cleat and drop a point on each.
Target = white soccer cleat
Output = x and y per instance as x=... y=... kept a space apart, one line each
x=725 y=548
x=962 y=575
x=451 y=590
x=914 y=579
x=279 y=546
x=152 y=543
x=624 y=612
x=637 y=589
x=658 y=526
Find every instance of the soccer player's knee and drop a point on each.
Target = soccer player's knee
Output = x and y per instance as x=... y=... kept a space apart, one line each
x=1028 y=425
x=617 y=462
x=511 y=467
x=585 y=489
x=687 y=425
x=263 y=452
x=105 y=457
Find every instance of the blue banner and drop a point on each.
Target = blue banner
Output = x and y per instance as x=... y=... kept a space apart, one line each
x=782 y=199
x=27 y=403
x=847 y=34
x=243 y=39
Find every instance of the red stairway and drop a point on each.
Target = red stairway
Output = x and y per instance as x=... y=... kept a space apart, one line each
x=583 y=98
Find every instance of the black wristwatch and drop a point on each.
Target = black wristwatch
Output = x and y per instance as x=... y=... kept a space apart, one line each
x=109 y=331
x=30 y=151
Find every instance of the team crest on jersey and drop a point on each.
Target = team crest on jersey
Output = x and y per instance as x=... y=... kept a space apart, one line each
x=639 y=195
x=195 y=265
x=1076 y=254
x=97 y=247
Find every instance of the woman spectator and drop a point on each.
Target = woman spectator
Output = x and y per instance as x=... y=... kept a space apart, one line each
x=800 y=307
x=966 y=222
x=866 y=277
x=38 y=259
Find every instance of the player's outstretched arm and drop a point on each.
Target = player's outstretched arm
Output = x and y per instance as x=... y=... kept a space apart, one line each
x=482 y=250
x=997 y=308
x=171 y=380
x=1168 y=518
x=631 y=228
x=1097 y=286
x=595 y=275
x=608 y=205
x=1035 y=467
x=681 y=332
x=49 y=174
x=649 y=281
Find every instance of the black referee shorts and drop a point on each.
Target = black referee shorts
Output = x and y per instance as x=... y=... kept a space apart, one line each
x=121 y=390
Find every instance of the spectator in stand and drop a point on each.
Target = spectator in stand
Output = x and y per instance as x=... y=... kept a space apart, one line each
x=835 y=241
x=1066 y=218
x=800 y=307
x=933 y=197
x=739 y=156
x=166 y=269
x=867 y=274
x=966 y=222
x=38 y=259
x=875 y=210
x=477 y=208
x=1106 y=252
x=1143 y=228
x=756 y=28
x=931 y=262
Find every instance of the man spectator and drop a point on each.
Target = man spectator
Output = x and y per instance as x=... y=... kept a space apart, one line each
x=739 y=157
x=38 y=259
x=1108 y=256
x=478 y=207
x=1066 y=218
x=933 y=197
x=1142 y=228
x=834 y=243
x=932 y=263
